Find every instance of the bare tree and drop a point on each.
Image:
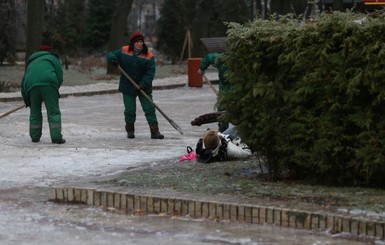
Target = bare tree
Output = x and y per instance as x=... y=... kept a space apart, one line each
x=265 y=8
x=338 y=5
x=254 y=7
x=200 y=27
x=118 y=27
x=34 y=26
x=6 y=40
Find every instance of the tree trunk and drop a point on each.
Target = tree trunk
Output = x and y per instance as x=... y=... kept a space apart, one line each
x=265 y=8
x=254 y=4
x=200 y=27
x=268 y=7
x=118 y=28
x=34 y=26
x=338 y=5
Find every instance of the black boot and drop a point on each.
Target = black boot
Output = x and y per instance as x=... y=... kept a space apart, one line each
x=130 y=129
x=59 y=141
x=155 y=134
x=222 y=126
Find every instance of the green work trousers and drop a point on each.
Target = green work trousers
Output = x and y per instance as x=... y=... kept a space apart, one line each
x=50 y=96
x=130 y=108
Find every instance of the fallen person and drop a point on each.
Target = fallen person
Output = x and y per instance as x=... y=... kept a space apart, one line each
x=215 y=146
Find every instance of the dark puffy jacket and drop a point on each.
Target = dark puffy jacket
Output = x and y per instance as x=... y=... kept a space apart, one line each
x=215 y=59
x=141 y=68
x=206 y=156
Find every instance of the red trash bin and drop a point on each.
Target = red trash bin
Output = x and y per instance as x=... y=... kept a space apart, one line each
x=194 y=78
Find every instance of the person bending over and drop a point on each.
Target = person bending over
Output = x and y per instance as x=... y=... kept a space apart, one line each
x=41 y=82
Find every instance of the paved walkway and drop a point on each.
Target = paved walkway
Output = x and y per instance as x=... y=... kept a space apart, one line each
x=108 y=86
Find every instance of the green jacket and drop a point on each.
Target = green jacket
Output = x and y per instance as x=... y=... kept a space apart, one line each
x=43 y=69
x=215 y=60
x=140 y=67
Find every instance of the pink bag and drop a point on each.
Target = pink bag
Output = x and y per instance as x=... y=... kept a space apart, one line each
x=190 y=156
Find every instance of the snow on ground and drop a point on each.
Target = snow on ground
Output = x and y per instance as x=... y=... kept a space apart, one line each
x=96 y=141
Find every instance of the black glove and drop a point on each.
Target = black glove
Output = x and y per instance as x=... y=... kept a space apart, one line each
x=141 y=87
x=115 y=63
x=27 y=104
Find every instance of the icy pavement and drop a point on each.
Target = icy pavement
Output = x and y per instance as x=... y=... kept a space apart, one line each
x=96 y=140
x=97 y=147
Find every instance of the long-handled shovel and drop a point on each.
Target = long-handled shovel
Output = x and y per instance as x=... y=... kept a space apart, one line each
x=12 y=111
x=149 y=99
x=211 y=85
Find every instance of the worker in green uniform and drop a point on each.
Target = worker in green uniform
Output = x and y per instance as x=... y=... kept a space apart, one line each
x=216 y=60
x=41 y=82
x=139 y=63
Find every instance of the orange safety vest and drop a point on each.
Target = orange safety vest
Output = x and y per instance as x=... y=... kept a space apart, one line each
x=126 y=50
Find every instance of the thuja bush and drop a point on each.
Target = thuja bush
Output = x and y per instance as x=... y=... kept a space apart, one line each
x=309 y=98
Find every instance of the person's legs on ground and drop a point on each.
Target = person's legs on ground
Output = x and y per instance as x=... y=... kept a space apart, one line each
x=222 y=125
x=51 y=101
x=130 y=114
x=149 y=112
x=35 y=116
x=231 y=131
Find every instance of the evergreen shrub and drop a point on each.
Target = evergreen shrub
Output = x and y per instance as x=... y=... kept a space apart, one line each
x=309 y=98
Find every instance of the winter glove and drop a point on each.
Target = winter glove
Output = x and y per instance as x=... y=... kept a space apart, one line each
x=26 y=103
x=141 y=86
x=201 y=72
x=115 y=63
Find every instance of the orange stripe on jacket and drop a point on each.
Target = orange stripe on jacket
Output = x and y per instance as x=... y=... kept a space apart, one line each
x=126 y=50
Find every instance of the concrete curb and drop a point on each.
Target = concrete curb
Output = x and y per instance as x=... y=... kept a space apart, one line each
x=91 y=93
x=231 y=210
x=109 y=88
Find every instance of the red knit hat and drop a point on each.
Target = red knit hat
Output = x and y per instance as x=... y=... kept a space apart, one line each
x=136 y=36
x=45 y=48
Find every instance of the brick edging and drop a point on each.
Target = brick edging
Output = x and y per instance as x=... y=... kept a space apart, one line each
x=257 y=214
